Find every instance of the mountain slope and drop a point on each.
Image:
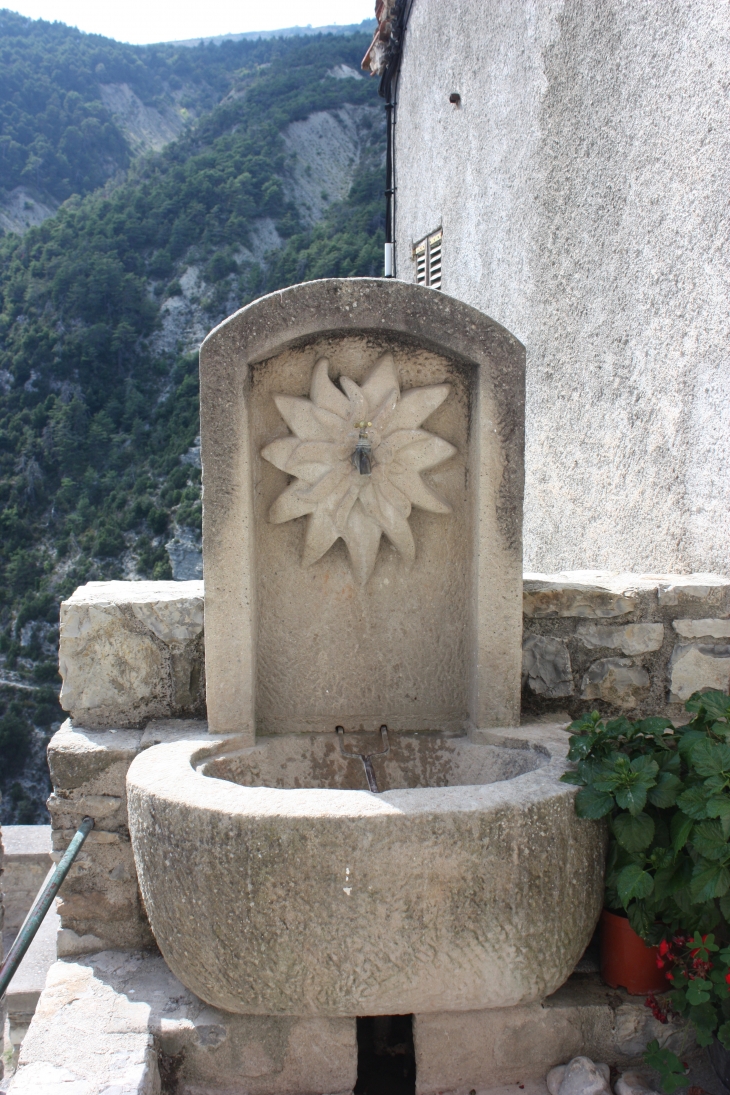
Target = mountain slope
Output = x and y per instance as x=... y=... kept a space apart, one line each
x=102 y=307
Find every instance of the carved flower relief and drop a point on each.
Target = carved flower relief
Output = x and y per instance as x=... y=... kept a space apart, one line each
x=356 y=454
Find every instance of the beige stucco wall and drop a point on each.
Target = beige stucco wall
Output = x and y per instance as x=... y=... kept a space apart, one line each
x=582 y=187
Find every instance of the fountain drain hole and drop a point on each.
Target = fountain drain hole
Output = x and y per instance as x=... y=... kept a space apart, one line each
x=386 y=1058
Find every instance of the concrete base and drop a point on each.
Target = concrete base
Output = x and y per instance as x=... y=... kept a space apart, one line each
x=120 y=1021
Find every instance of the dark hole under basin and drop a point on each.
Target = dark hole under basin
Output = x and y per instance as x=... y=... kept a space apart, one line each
x=386 y=1058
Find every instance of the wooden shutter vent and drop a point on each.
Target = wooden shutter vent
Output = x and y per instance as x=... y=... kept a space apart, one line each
x=427 y=254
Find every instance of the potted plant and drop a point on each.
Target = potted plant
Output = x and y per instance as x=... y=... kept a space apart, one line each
x=665 y=792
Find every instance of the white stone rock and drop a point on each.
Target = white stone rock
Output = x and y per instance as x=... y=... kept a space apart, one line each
x=633 y=1083
x=580 y=1077
x=695 y=666
x=702 y=629
x=546 y=666
x=617 y=681
x=630 y=639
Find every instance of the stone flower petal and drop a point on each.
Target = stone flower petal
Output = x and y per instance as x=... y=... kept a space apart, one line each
x=393 y=495
x=410 y=483
x=291 y=504
x=342 y=512
x=300 y=417
x=321 y=535
x=332 y=481
x=381 y=380
x=416 y=405
x=358 y=403
x=382 y=417
x=339 y=500
x=362 y=536
x=279 y=452
x=313 y=452
x=391 y=520
x=426 y=453
x=325 y=394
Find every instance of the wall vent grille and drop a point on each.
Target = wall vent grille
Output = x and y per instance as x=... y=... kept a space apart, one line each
x=427 y=256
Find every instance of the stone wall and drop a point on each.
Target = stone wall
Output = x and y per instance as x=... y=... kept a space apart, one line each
x=581 y=186
x=623 y=643
x=133 y=651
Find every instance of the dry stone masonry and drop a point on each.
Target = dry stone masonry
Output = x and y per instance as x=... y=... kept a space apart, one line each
x=623 y=643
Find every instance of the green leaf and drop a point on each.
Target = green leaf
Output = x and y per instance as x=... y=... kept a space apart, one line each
x=632 y=882
x=680 y=828
x=590 y=803
x=693 y=802
x=666 y=791
x=723 y=1034
x=725 y=906
x=698 y=992
x=718 y=806
x=704 y=1019
x=668 y=1065
x=633 y=833
x=668 y=881
x=715 y=703
x=710 y=758
x=688 y=740
x=655 y=724
x=645 y=766
x=709 y=840
x=632 y=798
x=573 y=777
x=709 y=880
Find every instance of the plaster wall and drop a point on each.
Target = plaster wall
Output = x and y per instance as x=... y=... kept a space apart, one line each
x=582 y=187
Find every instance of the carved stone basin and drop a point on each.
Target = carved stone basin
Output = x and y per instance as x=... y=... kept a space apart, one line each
x=276 y=884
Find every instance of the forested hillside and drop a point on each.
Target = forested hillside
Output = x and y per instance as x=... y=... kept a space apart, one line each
x=278 y=179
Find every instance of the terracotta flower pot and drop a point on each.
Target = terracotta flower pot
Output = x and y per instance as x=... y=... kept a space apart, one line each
x=626 y=961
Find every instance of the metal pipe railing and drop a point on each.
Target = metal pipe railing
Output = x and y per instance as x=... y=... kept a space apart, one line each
x=41 y=905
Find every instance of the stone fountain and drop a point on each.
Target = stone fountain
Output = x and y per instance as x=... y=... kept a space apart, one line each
x=362 y=450
x=362 y=461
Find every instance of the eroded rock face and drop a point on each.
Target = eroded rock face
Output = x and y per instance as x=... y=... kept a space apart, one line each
x=131 y=651
x=617 y=681
x=698 y=665
x=546 y=666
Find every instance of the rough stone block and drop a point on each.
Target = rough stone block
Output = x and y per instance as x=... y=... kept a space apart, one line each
x=582 y=593
x=92 y=760
x=130 y=651
x=629 y=639
x=546 y=666
x=109 y=1022
x=617 y=681
x=693 y=587
x=702 y=629
x=695 y=666
x=86 y=1037
x=457 y=1052
x=99 y=901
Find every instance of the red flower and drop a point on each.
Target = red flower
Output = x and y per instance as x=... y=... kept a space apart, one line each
x=727 y=978
x=663 y=947
x=669 y=975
